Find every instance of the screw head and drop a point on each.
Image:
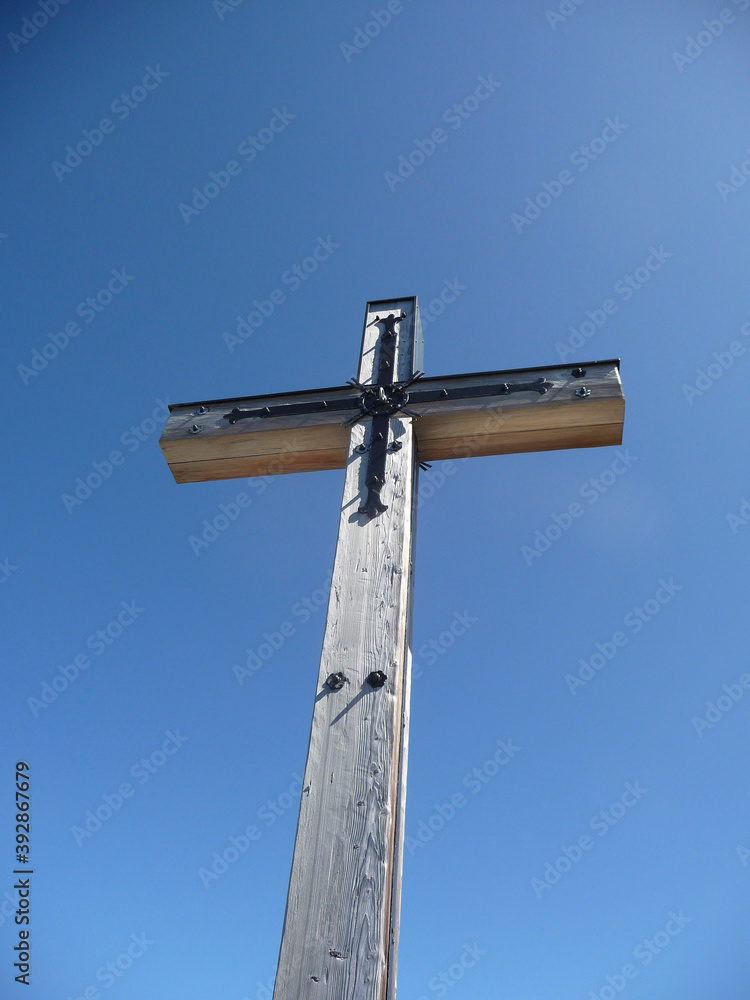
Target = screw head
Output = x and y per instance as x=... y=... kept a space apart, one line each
x=361 y=447
x=396 y=446
x=336 y=681
x=578 y=372
x=583 y=391
x=203 y=409
x=196 y=429
x=377 y=679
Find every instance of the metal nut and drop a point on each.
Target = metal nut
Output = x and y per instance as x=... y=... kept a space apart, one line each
x=336 y=681
x=583 y=391
x=196 y=429
x=377 y=679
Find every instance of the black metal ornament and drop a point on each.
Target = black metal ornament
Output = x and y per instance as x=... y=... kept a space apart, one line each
x=382 y=399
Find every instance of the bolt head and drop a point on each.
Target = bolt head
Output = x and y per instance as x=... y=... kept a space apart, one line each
x=196 y=429
x=336 y=681
x=377 y=679
x=583 y=391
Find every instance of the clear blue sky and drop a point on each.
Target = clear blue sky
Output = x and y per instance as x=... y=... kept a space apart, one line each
x=536 y=888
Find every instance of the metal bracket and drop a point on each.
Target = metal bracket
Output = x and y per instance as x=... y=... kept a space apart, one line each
x=381 y=401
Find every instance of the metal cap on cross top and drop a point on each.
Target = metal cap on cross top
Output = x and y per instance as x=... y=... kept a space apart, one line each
x=346 y=869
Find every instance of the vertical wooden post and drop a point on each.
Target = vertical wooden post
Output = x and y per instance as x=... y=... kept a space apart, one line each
x=341 y=924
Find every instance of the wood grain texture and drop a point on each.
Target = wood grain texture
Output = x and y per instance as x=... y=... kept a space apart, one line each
x=340 y=935
x=455 y=428
x=341 y=922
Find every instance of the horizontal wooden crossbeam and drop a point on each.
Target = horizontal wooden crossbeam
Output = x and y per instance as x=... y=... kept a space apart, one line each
x=484 y=413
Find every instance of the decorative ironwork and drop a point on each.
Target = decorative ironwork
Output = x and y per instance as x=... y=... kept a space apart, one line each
x=370 y=399
x=291 y=409
x=381 y=401
x=540 y=385
x=385 y=397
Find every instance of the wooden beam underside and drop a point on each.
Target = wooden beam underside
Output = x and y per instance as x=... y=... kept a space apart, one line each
x=448 y=429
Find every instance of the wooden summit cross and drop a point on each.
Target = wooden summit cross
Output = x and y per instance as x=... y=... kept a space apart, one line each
x=341 y=926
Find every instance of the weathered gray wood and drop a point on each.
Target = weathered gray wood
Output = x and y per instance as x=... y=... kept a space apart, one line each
x=341 y=922
x=341 y=925
x=450 y=428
